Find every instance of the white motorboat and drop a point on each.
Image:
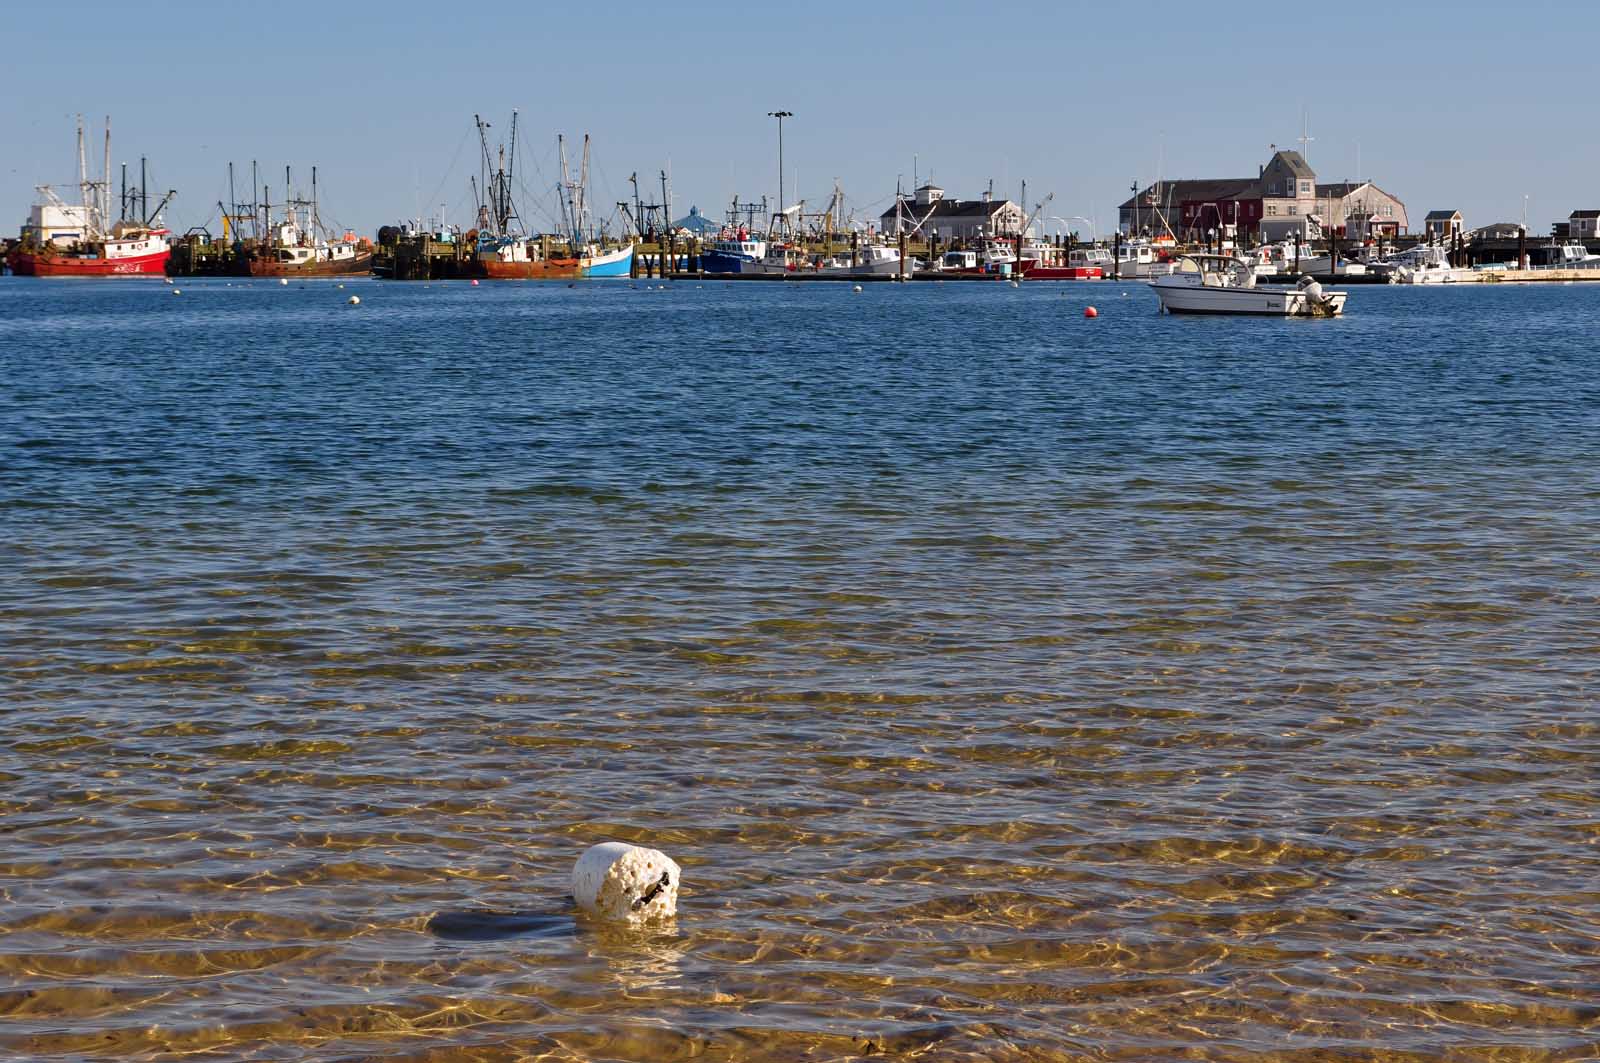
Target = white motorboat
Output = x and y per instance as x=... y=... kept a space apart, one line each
x=869 y=260
x=1572 y=255
x=1423 y=264
x=1219 y=284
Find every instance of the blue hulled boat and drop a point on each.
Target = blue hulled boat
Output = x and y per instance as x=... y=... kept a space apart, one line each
x=734 y=256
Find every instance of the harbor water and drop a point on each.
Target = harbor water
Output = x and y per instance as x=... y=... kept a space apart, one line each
x=1009 y=685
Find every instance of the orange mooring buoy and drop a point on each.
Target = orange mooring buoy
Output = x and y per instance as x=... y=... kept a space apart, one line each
x=1090 y=311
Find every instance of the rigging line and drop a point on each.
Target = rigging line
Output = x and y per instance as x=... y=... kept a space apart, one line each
x=448 y=173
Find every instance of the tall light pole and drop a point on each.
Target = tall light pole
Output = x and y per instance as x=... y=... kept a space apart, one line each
x=780 y=116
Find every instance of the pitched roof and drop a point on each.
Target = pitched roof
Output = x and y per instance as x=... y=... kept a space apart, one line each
x=1341 y=188
x=1201 y=189
x=1584 y=214
x=1296 y=163
x=948 y=208
x=1441 y=215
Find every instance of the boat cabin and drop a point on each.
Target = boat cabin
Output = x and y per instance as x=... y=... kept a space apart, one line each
x=1216 y=271
x=958 y=260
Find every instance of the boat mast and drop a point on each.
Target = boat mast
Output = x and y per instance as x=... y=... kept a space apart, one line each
x=316 y=218
x=510 y=171
x=83 y=183
x=583 y=183
x=480 y=190
x=105 y=181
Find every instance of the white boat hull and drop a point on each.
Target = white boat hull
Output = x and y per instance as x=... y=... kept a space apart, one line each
x=1261 y=302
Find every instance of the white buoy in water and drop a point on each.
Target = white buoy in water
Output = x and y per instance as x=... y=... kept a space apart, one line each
x=856 y=288
x=283 y=281
x=166 y=280
x=355 y=300
x=177 y=291
x=341 y=287
x=627 y=883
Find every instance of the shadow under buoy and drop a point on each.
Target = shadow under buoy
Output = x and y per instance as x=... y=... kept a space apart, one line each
x=497 y=926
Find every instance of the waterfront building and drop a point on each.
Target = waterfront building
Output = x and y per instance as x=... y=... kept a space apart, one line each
x=951 y=219
x=1499 y=230
x=1442 y=224
x=1283 y=200
x=1360 y=210
x=1584 y=225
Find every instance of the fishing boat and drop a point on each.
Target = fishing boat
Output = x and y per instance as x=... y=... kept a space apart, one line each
x=299 y=245
x=75 y=240
x=519 y=258
x=1048 y=262
x=1221 y=284
x=734 y=251
x=599 y=262
x=503 y=251
x=871 y=260
x=595 y=259
x=991 y=257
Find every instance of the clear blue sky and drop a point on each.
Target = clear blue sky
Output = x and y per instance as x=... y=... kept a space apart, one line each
x=1463 y=105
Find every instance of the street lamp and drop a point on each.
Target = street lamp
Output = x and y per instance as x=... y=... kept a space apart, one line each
x=780 y=116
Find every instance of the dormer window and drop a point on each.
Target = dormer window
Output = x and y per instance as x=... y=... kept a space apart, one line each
x=1305 y=188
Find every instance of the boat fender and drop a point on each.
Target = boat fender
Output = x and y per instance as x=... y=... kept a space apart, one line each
x=626 y=883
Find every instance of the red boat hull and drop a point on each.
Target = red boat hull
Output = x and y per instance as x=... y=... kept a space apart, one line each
x=544 y=269
x=1033 y=271
x=50 y=264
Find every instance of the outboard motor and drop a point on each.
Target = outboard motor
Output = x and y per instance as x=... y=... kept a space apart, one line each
x=1316 y=304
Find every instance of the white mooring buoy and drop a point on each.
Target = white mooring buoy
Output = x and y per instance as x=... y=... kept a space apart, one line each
x=627 y=883
x=857 y=288
x=355 y=300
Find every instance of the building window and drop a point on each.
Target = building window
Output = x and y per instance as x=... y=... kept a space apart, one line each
x=1293 y=210
x=1388 y=212
x=1272 y=208
x=1305 y=188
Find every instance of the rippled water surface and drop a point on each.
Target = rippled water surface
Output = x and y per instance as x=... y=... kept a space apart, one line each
x=1009 y=685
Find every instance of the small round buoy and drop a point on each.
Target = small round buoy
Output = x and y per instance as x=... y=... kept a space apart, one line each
x=1014 y=284
x=283 y=281
x=628 y=883
x=355 y=300
x=1090 y=311
x=856 y=288
x=177 y=291
x=341 y=287
x=1124 y=295
x=166 y=280
x=474 y=282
